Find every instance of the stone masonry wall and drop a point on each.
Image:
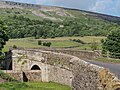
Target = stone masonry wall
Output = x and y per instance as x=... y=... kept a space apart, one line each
x=78 y=53
x=85 y=76
x=33 y=75
x=59 y=75
x=70 y=70
x=15 y=74
x=92 y=77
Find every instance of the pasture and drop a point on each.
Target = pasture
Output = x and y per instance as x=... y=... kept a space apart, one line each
x=58 y=42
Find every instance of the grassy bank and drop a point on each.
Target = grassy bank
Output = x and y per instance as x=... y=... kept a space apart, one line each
x=33 y=86
x=108 y=60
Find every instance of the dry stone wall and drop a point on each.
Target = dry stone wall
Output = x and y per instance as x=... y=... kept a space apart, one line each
x=78 y=53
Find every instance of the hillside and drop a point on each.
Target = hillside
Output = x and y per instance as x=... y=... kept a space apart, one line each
x=29 y=20
x=50 y=11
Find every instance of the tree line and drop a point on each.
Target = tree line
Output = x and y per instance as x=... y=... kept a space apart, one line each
x=21 y=27
x=3 y=38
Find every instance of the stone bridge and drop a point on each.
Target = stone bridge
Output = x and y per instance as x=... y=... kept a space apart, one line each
x=46 y=66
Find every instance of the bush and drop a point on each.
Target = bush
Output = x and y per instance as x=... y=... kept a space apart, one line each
x=39 y=42
x=53 y=37
x=48 y=44
x=14 y=46
x=78 y=40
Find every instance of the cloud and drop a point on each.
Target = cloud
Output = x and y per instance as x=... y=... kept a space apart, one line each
x=107 y=7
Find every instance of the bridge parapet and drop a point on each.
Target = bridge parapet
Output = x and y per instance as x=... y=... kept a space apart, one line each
x=69 y=70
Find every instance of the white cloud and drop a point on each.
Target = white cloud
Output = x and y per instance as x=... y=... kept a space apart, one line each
x=111 y=7
x=101 y=5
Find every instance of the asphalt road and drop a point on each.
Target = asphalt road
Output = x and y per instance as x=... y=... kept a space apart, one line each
x=114 y=68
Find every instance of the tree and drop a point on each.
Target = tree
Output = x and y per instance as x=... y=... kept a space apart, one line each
x=39 y=42
x=3 y=38
x=48 y=44
x=112 y=44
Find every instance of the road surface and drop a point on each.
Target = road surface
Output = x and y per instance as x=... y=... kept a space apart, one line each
x=114 y=68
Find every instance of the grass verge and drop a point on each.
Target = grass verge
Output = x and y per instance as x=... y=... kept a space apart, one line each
x=33 y=86
x=107 y=60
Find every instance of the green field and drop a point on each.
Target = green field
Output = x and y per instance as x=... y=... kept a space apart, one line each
x=59 y=42
x=87 y=39
x=21 y=43
x=33 y=86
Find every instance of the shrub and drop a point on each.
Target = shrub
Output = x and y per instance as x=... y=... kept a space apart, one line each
x=78 y=40
x=39 y=42
x=48 y=44
x=14 y=46
x=44 y=43
x=53 y=37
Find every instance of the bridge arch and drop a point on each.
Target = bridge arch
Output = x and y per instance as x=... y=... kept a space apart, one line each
x=35 y=67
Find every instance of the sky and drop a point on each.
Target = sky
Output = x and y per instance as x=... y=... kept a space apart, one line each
x=110 y=7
